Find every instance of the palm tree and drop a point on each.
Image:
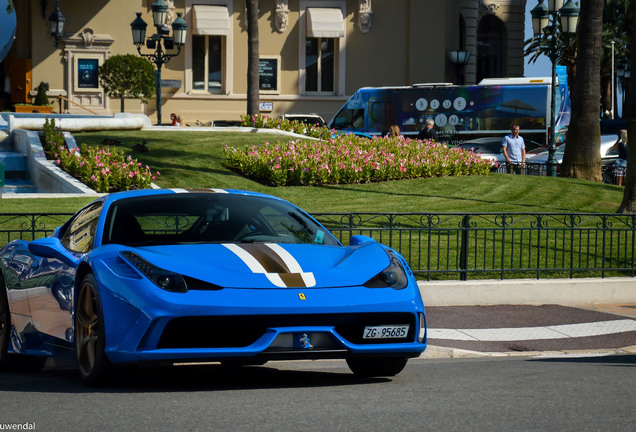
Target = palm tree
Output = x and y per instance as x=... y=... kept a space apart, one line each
x=566 y=45
x=252 y=56
x=629 y=195
x=582 y=158
x=617 y=21
x=617 y=27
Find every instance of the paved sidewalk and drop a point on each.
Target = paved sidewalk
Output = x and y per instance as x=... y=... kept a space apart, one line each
x=523 y=330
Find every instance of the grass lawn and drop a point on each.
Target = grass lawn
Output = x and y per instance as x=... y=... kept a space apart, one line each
x=195 y=160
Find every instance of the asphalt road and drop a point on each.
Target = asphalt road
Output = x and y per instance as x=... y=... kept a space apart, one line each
x=564 y=394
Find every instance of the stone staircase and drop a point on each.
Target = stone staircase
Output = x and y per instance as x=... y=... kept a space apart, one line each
x=16 y=171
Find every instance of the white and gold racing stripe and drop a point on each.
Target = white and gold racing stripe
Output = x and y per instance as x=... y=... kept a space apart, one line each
x=180 y=190
x=292 y=264
x=278 y=265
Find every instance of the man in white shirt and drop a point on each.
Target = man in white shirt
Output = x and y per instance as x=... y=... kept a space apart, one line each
x=514 y=149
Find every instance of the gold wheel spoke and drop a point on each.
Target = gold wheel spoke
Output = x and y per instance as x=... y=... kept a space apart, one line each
x=86 y=321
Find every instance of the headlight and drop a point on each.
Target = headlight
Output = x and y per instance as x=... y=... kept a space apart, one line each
x=164 y=279
x=393 y=276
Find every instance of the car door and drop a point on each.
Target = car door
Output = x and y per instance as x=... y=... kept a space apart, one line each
x=51 y=283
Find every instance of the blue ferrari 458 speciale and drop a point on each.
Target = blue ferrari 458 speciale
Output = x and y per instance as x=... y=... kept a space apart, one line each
x=174 y=275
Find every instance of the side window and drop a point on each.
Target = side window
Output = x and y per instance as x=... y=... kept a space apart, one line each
x=349 y=119
x=80 y=232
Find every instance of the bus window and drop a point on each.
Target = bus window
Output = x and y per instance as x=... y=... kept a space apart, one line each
x=349 y=119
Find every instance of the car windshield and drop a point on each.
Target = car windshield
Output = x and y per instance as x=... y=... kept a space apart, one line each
x=209 y=218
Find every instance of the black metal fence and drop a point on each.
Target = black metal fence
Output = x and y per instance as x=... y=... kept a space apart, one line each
x=610 y=173
x=499 y=245
x=460 y=245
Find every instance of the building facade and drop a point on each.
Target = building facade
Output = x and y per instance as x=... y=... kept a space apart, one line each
x=314 y=54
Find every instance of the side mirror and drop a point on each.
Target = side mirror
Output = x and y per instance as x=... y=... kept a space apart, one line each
x=51 y=247
x=359 y=239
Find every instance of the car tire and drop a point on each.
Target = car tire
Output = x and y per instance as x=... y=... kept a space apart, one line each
x=377 y=366
x=13 y=362
x=90 y=338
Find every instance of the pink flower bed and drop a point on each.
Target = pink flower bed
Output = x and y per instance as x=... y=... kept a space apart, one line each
x=351 y=159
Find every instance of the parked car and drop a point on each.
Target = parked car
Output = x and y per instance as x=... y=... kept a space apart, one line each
x=490 y=147
x=608 y=155
x=310 y=119
x=164 y=276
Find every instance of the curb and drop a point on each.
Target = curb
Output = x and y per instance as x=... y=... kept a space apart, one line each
x=565 y=292
x=438 y=352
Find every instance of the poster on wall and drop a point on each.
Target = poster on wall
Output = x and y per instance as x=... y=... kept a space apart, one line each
x=268 y=72
x=87 y=73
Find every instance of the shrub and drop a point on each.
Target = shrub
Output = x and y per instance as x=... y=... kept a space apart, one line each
x=127 y=76
x=41 y=98
x=261 y=121
x=104 y=170
x=347 y=159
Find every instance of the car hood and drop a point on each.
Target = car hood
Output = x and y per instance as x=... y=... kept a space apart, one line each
x=271 y=265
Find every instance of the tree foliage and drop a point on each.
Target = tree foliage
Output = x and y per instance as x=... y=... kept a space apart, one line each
x=565 y=44
x=617 y=27
x=127 y=77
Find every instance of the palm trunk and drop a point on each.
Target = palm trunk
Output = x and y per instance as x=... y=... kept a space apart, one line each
x=582 y=158
x=252 y=56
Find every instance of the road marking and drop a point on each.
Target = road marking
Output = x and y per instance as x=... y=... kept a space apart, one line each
x=565 y=331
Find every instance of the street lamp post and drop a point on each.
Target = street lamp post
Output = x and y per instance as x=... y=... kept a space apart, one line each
x=545 y=24
x=159 y=57
x=613 y=82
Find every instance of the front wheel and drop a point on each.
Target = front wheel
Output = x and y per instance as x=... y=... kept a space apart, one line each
x=90 y=343
x=377 y=366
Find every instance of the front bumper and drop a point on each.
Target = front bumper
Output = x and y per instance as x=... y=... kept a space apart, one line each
x=146 y=324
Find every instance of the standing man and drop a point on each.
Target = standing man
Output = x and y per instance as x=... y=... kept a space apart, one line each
x=428 y=133
x=514 y=149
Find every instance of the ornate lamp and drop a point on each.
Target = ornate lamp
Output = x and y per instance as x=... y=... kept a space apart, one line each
x=56 y=22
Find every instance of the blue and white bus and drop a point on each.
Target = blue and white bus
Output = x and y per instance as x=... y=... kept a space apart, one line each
x=460 y=112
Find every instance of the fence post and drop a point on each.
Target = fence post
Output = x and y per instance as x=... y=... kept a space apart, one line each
x=463 y=254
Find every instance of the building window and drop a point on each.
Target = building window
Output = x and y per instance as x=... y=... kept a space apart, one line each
x=319 y=65
x=207 y=63
x=490 y=37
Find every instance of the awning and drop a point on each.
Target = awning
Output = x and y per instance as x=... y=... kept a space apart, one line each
x=325 y=22
x=211 y=20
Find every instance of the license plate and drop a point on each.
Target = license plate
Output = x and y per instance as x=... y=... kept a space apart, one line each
x=385 y=332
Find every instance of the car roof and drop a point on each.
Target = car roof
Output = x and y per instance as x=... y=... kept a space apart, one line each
x=116 y=196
